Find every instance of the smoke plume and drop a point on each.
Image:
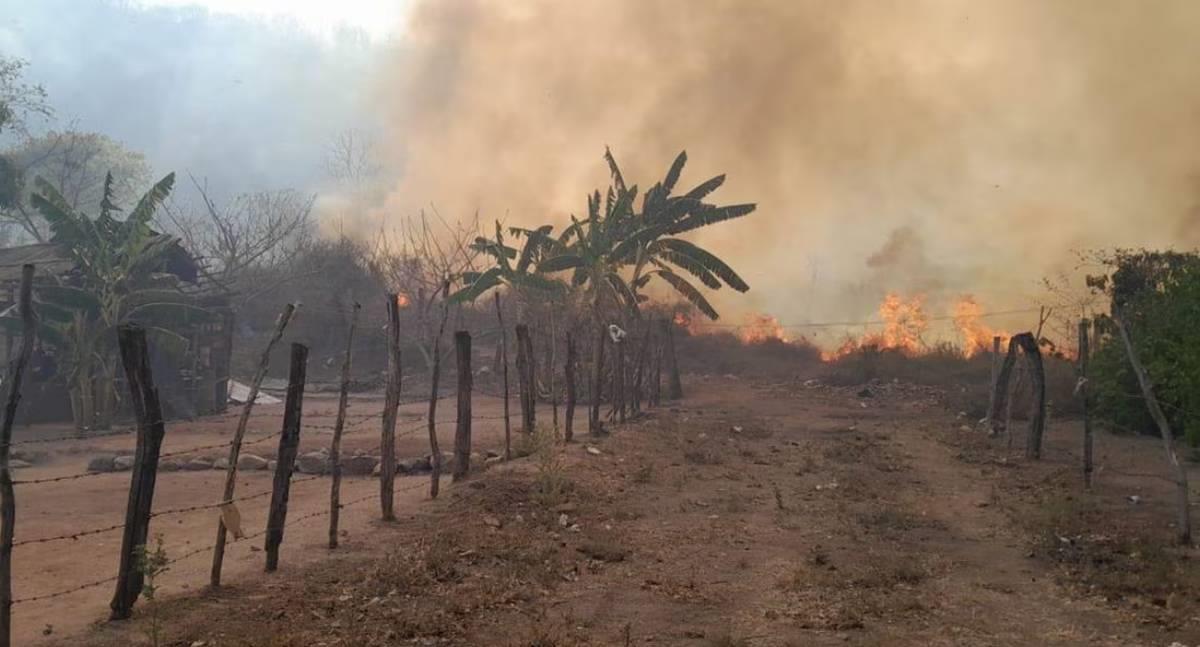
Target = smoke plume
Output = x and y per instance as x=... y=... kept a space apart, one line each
x=916 y=146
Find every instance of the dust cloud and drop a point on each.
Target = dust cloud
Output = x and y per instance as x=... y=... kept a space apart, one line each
x=917 y=146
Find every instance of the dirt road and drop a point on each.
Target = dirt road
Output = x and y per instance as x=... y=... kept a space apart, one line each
x=749 y=514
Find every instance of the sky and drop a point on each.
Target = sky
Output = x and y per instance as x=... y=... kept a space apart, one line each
x=379 y=18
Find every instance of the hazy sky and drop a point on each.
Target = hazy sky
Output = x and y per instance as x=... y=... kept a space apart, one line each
x=379 y=18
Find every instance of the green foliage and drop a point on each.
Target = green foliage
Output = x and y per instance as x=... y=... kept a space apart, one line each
x=18 y=99
x=1157 y=295
x=119 y=279
x=614 y=252
x=151 y=564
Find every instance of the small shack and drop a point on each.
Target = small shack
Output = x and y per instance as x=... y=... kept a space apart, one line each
x=194 y=384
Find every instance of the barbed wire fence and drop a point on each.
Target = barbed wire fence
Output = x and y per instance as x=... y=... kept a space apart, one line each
x=148 y=431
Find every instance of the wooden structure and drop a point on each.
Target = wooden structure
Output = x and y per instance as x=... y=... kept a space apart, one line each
x=193 y=385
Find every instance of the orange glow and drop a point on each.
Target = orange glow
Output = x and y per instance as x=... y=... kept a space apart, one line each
x=904 y=324
x=977 y=336
x=402 y=300
x=760 y=328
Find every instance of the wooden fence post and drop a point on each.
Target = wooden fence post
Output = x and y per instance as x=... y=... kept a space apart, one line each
x=595 y=428
x=285 y=462
x=1184 y=518
x=656 y=368
x=150 y=430
x=462 y=430
x=1000 y=389
x=235 y=446
x=551 y=370
x=504 y=358
x=435 y=452
x=639 y=371
x=391 y=406
x=674 y=384
x=8 y=502
x=569 y=371
x=619 y=379
x=995 y=376
x=526 y=376
x=1084 y=398
x=1037 y=426
x=335 y=446
x=1029 y=347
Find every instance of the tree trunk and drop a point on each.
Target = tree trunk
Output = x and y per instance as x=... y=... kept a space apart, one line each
x=525 y=377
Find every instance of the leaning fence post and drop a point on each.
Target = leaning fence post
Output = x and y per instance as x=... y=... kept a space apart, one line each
x=1086 y=402
x=1183 y=507
x=391 y=405
x=150 y=430
x=285 y=462
x=674 y=385
x=8 y=502
x=235 y=446
x=504 y=358
x=335 y=446
x=462 y=430
x=569 y=370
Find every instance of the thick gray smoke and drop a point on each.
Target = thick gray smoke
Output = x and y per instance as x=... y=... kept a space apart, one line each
x=942 y=147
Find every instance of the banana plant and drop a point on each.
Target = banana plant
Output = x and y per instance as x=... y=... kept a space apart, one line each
x=599 y=249
x=513 y=268
x=117 y=279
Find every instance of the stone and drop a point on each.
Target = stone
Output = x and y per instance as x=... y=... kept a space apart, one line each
x=16 y=463
x=593 y=450
x=413 y=465
x=313 y=463
x=101 y=464
x=122 y=463
x=221 y=463
x=252 y=462
x=360 y=465
x=491 y=520
x=271 y=465
x=198 y=464
x=169 y=465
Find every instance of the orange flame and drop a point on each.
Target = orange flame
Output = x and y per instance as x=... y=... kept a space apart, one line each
x=402 y=300
x=760 y=328
x=977 y=336
x=904 y=323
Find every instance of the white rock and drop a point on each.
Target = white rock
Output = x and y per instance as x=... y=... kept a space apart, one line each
x=122 y=463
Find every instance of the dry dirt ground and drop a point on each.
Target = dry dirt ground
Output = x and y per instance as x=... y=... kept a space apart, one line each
x=751 y=513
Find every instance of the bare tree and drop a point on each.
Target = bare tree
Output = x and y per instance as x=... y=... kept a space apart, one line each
x=75 y=163
x=350 y=158
x=417 y=261
x=254 y=231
